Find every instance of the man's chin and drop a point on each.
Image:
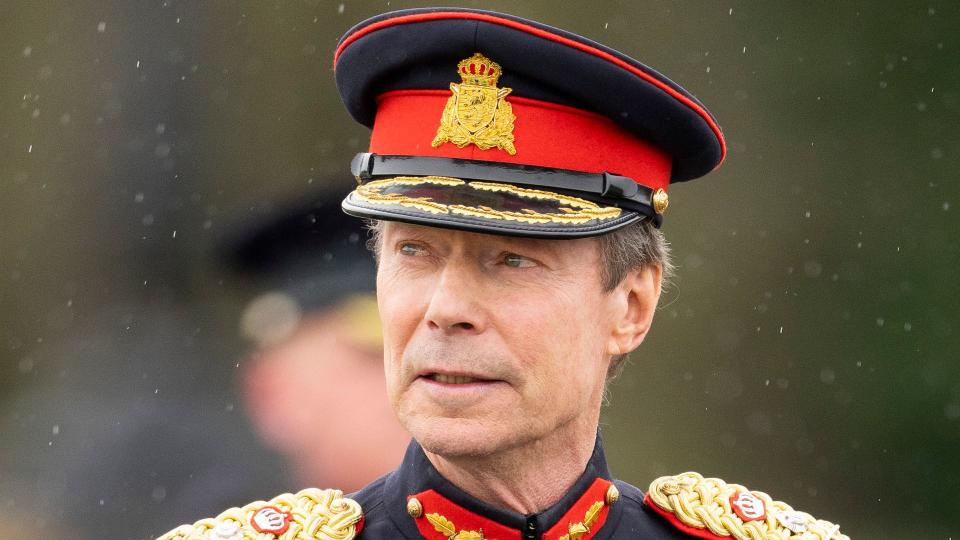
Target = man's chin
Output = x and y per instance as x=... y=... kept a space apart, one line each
x=460 y=438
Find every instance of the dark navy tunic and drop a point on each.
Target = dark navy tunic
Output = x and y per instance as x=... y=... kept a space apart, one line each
x=384 y=504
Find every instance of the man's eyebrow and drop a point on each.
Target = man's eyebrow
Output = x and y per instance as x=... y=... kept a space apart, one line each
x=540 y=247
x=406 y=231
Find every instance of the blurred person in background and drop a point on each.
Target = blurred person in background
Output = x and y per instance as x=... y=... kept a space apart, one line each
x=316 y=331
x=147 y=430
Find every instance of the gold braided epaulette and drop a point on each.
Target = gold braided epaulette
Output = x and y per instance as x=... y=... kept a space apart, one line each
x=713 y=509
x=311 y=514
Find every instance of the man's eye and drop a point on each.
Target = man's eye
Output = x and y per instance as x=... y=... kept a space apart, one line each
x=517 y=261
x=411 y=249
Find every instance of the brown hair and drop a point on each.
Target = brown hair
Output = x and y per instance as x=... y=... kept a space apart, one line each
x=631 y=247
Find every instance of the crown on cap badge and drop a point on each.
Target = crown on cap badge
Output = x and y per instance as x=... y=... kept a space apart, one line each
x=477 y=112
x=479 y=70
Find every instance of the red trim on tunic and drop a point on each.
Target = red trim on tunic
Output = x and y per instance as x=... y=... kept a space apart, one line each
x=420 y=17
x=545 y=135
x=463 y=519
x=675 y=521
x=596 y=492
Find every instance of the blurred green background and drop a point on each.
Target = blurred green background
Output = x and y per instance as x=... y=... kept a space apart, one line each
x=808 y=348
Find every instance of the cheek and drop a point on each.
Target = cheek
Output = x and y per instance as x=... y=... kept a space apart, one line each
x=400 y=314
x=555 y=336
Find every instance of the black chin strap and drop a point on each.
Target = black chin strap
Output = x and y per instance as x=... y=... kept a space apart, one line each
x=609 y=188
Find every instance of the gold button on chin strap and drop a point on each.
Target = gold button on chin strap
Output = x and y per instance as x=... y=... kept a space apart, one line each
x=660 y=200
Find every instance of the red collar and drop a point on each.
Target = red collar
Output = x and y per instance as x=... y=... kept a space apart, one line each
x=439 y=518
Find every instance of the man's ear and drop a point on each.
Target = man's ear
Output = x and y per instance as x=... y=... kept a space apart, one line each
x=638 y=294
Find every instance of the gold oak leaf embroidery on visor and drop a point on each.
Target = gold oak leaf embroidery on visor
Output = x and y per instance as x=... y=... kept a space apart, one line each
x=477 y=112
x=404 y=191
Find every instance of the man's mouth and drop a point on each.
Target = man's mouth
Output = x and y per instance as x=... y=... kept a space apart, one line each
x=456 y=378
x=458 y=389
x=453 y=379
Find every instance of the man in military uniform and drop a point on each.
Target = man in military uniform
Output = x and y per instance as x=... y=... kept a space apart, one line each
x=517 y=178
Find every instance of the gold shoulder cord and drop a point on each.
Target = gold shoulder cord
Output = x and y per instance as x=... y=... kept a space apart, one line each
x=731 y=510
x=311 y=514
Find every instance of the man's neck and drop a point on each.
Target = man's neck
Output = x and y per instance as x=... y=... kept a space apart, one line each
x=526 y=479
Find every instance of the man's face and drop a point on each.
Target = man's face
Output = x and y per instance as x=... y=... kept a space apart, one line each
x=491 y=342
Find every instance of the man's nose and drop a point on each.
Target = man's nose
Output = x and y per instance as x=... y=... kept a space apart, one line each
x=454 y=306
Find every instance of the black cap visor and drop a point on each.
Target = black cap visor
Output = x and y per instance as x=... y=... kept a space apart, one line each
x=485 y=207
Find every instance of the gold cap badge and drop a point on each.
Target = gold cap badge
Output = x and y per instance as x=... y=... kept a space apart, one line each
x=476 y=113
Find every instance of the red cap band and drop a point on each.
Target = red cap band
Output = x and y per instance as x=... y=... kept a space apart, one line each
x=545 y=135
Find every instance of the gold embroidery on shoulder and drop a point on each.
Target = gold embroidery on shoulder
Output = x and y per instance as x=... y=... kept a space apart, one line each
x=313 y=514
x=733 y=510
